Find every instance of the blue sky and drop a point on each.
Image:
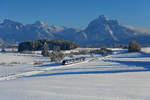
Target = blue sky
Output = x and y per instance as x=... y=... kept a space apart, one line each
x=76 y=13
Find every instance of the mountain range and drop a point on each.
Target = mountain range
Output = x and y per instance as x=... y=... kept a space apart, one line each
x=99 y=32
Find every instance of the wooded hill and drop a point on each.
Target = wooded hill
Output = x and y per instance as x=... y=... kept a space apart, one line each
x=52 y=43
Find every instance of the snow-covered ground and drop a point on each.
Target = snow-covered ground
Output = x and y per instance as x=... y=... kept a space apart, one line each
x=14 y=63
x=120 y=76
x=146 y=49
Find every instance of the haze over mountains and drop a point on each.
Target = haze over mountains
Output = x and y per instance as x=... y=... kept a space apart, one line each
x=99 y=32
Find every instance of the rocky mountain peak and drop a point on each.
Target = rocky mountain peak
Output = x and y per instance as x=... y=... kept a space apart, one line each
x=102 y=17
x=102 y=29
x=101 y=21
x=39 y=23
x=11 y=24
x=8 y=21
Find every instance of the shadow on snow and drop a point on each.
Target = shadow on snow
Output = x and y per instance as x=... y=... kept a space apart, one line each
x=86 y=72
x=144 y=64
x=140 y=55
x=51 y=65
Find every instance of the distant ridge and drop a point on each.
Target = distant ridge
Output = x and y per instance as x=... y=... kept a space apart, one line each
x=99 y=32
x=141 y=30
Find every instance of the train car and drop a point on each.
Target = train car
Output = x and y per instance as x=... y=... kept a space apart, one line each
x=72 y=61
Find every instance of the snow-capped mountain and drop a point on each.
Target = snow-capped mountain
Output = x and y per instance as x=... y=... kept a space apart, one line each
x=105 y=31
x=99 y=32
x=11 y=31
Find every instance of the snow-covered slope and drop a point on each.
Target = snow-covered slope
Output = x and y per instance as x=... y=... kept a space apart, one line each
x=120 y=76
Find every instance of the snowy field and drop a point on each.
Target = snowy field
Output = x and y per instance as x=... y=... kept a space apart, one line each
x=120 y=76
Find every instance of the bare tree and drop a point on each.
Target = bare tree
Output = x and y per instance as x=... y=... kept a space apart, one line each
x=56 y=56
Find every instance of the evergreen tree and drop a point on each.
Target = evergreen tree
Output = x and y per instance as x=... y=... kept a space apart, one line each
x=45 y=50
x=3 y=50
x=134 y=46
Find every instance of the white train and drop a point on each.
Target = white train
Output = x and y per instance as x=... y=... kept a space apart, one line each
x=72 y=61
